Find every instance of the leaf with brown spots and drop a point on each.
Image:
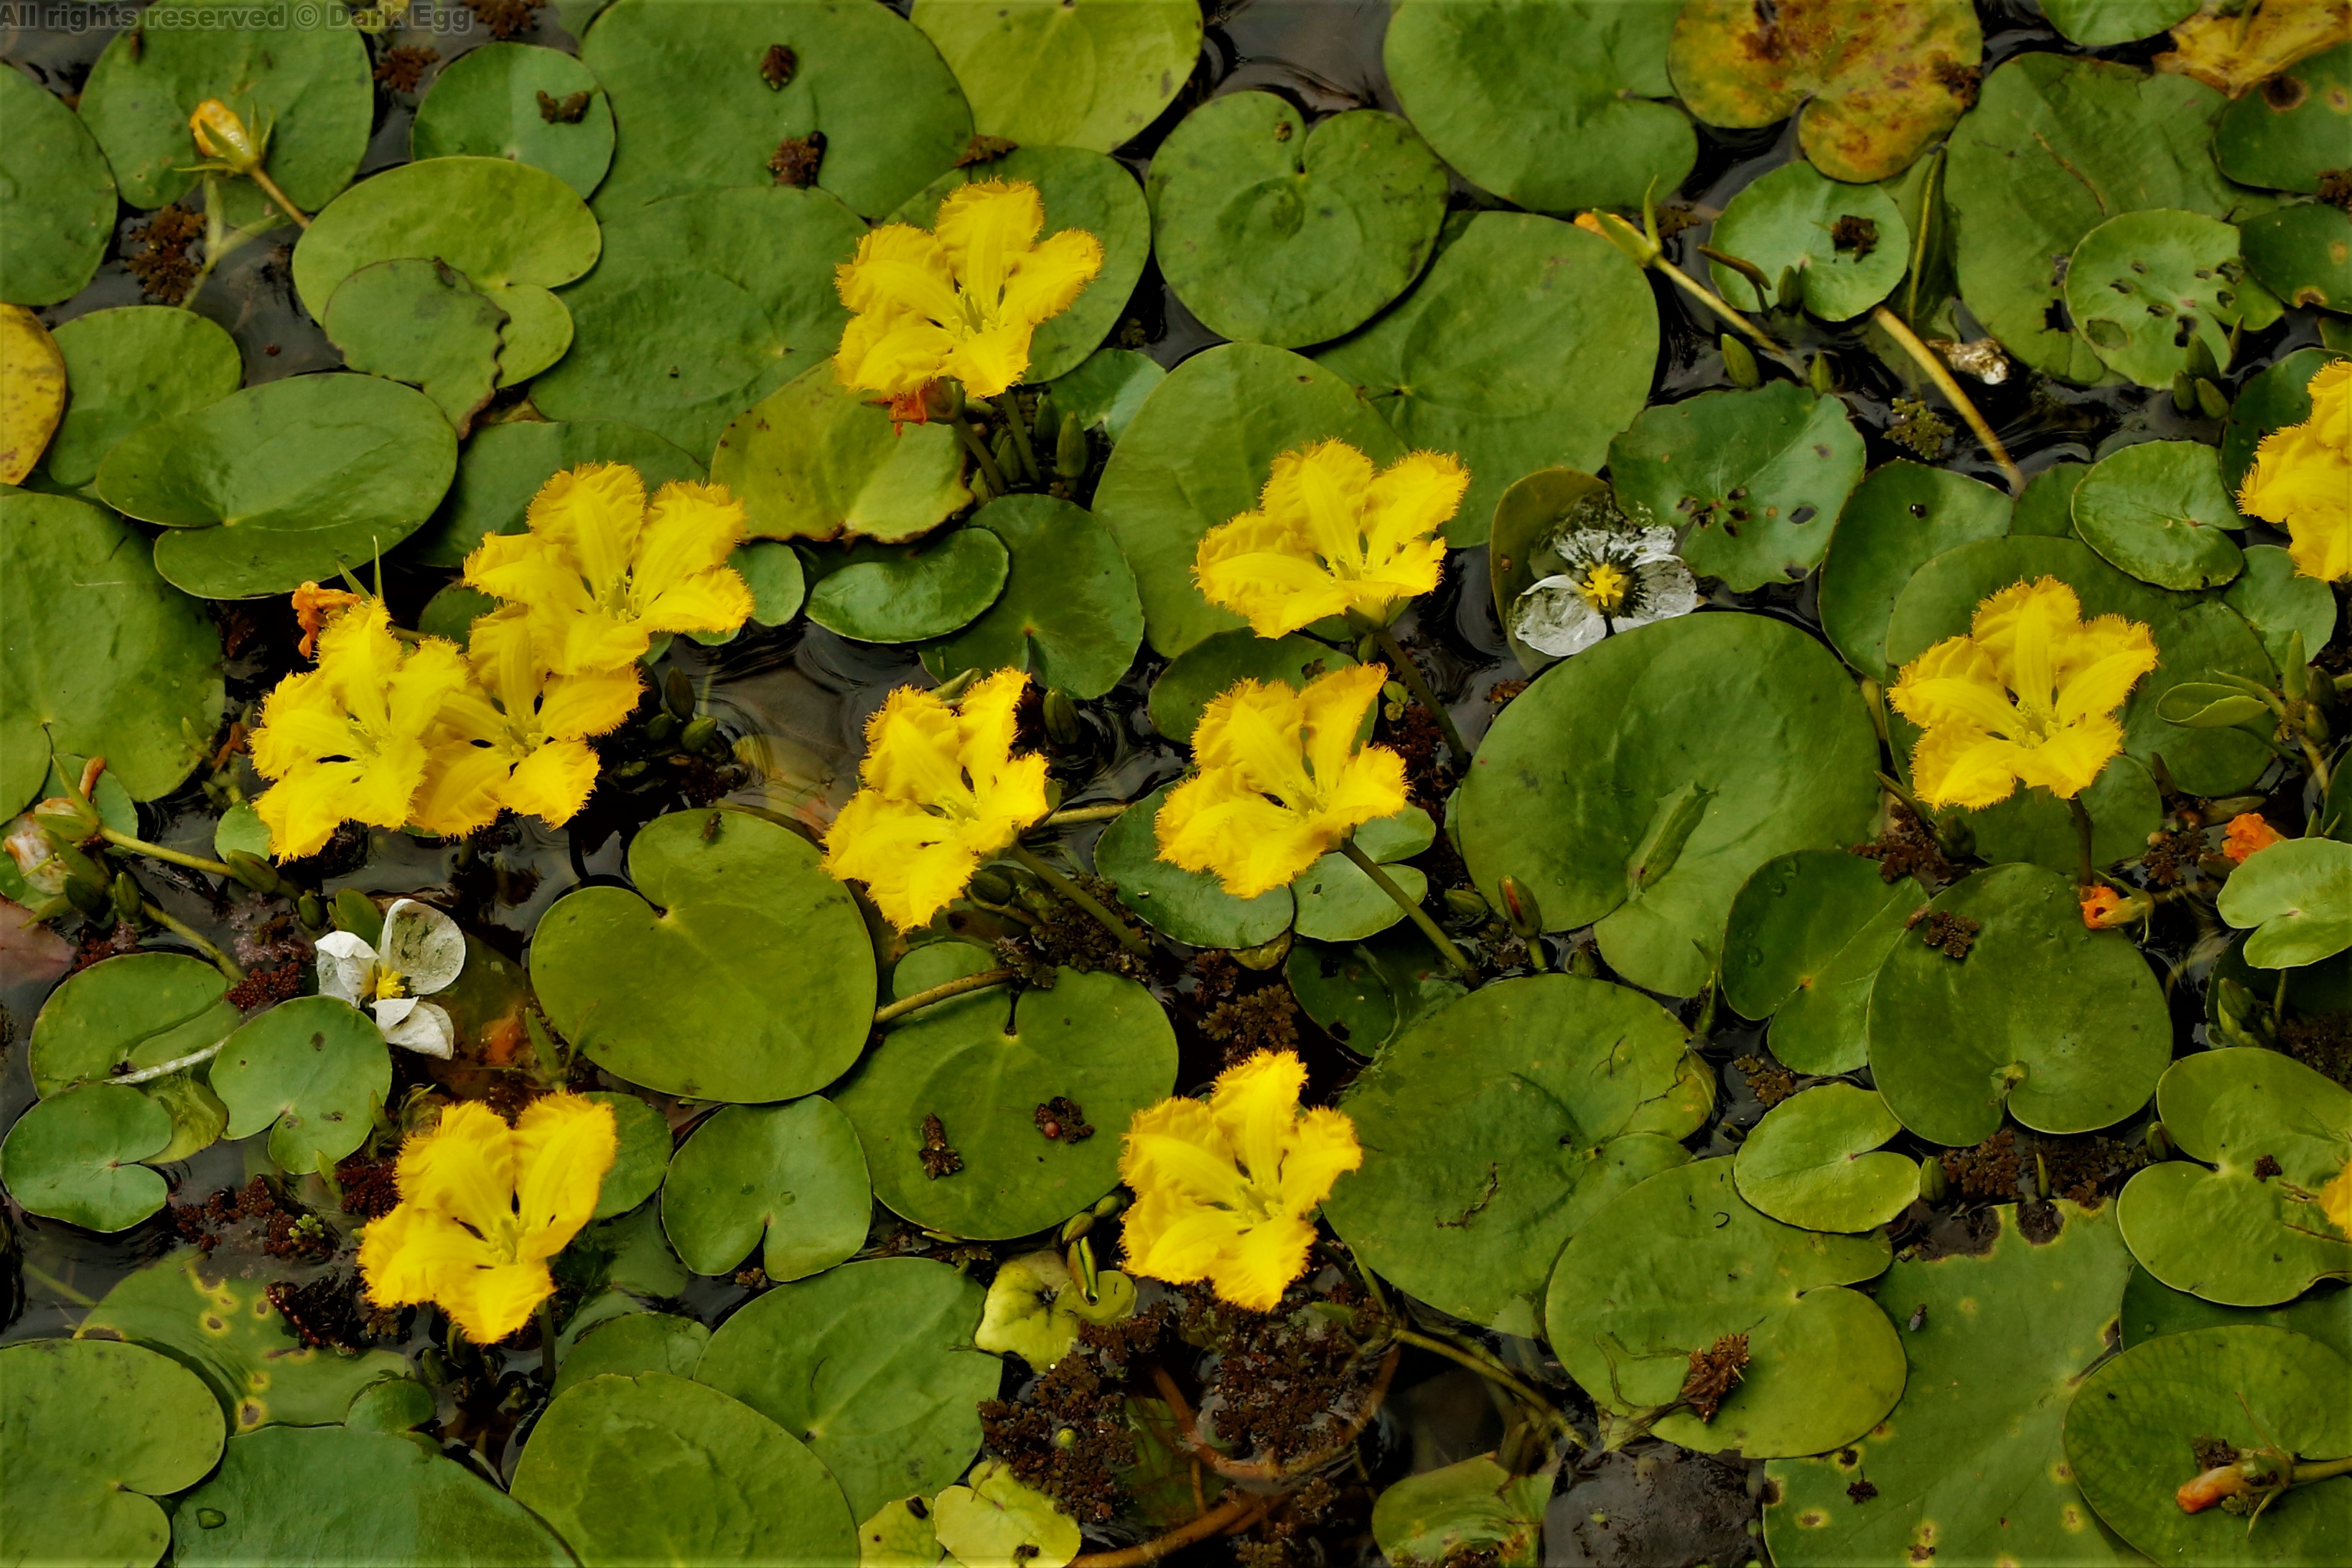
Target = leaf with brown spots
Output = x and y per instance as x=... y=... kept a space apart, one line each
x=2225 y=47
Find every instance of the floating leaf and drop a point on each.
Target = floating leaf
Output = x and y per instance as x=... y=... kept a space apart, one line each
x=892 y=594
x=2234 y=50
x=128 y=1013
x=129 y=368
x=816 y=460
x=2299 y=903
x=1106 y=389
x=983 y=1065
x=1472 y=361
x=2124 y=806
x=2062 y=1025
x=423 y=323
x=32 y=396
x=642 y=1158
x=900 y=1534
x=1809 y=1161
x=91 y=1427
x=1337 y=902
x=2143 y=286
x=2286 y=136
x=664 y=986
x=1543 y=102
x=1848 y=245
x=1474 y=1507
x=1639 y=784
x=1069 y=614
x=1807 y=933
x=874 y=1363
x=1495 y=1130
x=2280 y=603
x=503 y=466
x=633 y=1344
x=493 y=102
x=1878 y=84
x=57 y=198
x=1364 y=994
x=75 y=1157
x=2099 y=24
x=309 y=1072
x=283 y=483
x=1758 y=476
x=2152 y=1308
x=1187 y=905
x=2159 y=512
x=792 y=1172
x=1271 y=233
x=1903 y=515
x=996 y=1522
x=1068 y=73
x=1215 y=663
x=2302 y=254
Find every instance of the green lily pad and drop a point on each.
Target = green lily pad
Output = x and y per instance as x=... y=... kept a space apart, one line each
x=2098 y=24
x=2123 y=803
x=75 y=580
x=1197 y=455
x=1069 y=614
x=663 y=1469
x=982 y=1064
x=1067 y=73
x=2280 y=603
x=131 y=1012
x=2286 y=136
x=450 y=613
x=1809 y=1161
x=129 y=368
x=1078 y=189
x=1547 y=104
x=421 y=323
x=492 y=102
x=58 y=211
x=1970 y=1465
x=642 y=1158
x=900 y=593
x=2143 y=286
x=283 y=483
x=2131 y=1429
x=1903 y=515
x=308 y=83
x=2047 y=506
x=1364 y=994
x=1187 y=905
x=1106 y=389
x=1337 y=902
x=701 y=111
x=1470 y=362
x=633 y=1344
x=1878 y=85
x=2152 y=1308
x=2297 y=899
x=873 y=1363
x=2274 y=396
x=1807 y=933
x=2055 y=147
x=1497 y=1128
x=1472 y=1507
x=1789 y=220
x=793 y=1172
x=2158 y=510
x=503 y=466
x=1639 y=785
x=772 y=572
x=1271 y=233
x=994 y=1521
x=75 y=1156
x=395 y=1498
x=2228 y=1234
x=816 y=460
x=2064 y=1026
x=703 y=304
x=309 y=1072
x=1681 y=1260
x=2302 y=254
x=1760 y=475
x=668 y=986
x=94 y=1432
x=1182 y=691
x=227 y=1332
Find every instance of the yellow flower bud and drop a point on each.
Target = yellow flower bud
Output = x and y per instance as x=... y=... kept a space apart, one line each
x=222 y=135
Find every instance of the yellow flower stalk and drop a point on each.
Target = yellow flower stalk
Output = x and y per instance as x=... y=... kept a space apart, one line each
x=1225 y=1190
x=228 y=147
x=1332 y=536
x=603 y=572
x=2027 y=696
x=1281 y=780
x=484 y=1205
x=2302 y=478
x=943 y=791
x=517 y=736
x=347 y=741
x=961 y=300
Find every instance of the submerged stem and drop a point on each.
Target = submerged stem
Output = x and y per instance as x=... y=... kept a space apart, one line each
x=2081 y=839
x=1073 y=894
x=1415 y=682
x=220 y=960
x=1239 y=1509
x=1496 y=1372
x=1077 y=814
x=1900 y=331
x=269 y=187
x=1413 y=911
x=121 y=840
x=1011 y=405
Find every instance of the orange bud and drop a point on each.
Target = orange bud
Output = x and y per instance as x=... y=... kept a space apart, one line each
x=2246 y=834
x=2099 y=906
x=220 y=134
x=2221 y=1481
x=314 y=606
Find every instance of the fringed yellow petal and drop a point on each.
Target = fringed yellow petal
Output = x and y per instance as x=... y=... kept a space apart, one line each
x=491 y=1303
x=464 y=1166
x=1322 y=1149
x=2069 y=760
x=1955 y=764
x=551 y=784
x=2336 y=1200
x=462 y=784
x=303 y=808
x=564 y=1144
x=982 y=228
x=1254 y=1273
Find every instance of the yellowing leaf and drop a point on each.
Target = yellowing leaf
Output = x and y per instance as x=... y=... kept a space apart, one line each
x=32 y=391
x=2235 y=52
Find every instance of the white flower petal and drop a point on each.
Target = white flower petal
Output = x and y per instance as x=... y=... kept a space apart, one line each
x=1552 y=617
x=392 y=1010
x=346 y=967
x=426 y=1031
x=1654 y=544
x=423 y=946
x=1666 y=589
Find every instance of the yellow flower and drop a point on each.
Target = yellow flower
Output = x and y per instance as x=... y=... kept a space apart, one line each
x=603 y=572
x=2336 y=1200
x=484 y=1205
x=942 y=790
x=2027 y=695
x=1330 y=536
x=515 y=737
x=2302 y=478
x=347 y=740
x=1222 y=1191
x=221 y=136
x=961 y=300
x=1281 y=780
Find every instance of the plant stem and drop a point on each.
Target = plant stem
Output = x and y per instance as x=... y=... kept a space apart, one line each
x=1413 y=911
x=1900 y=331
x=1494 y=1371
x=1240 y=1509
x=1073 y=894
x=2319 y=1471
x=1715 y=303
x=164 y=1069
x=121 y=840
x=1011 y=405
x=55 y=1286
x=261 y=177
x=547 y=1337
x=941 y=993
x=1077 y=814
x=2082 y=839
x=980 y=454
x=220 y=960
x=1188 y=1434
x=1410 y=673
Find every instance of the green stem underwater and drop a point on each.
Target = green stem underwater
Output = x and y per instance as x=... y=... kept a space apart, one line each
x=1419 y=917
x=220 y=960
x=121 y=840
x=1407 y=672
x=2083 y=831
x=1011 y=405
x=1900 y=331
x=1078 y=897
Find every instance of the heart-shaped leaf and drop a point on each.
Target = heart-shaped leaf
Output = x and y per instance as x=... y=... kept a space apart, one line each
x=423 y=323
x=2097 y=23
x=1187 y=905
x=2296 y=898
x=1473 y=1506
x=97 y=1431
x=2290 y=134
x=896 y=592
x=1902 y=516
x=2158 y=510
x=1069 y=614
x=2302 y=254
x=1809 y=1161
x=1848 y=245
x=634 y=1344
x=310 y=1072
x=75 y=1156
x=2281 y=603
x=816 y=460
x=1065 y=73
x=494 y=102
x=1806 y=936
x=129 y=368
x=793 y=1172
x=59 y=211
x=642 y=1158
x=1217 y=662
x=503 y=466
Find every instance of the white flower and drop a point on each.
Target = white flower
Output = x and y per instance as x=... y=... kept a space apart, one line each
x=423 y=952
x=1611 y=579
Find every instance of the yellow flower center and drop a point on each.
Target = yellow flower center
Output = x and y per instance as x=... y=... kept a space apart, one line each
x=1605 y=586
x=390 y=983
